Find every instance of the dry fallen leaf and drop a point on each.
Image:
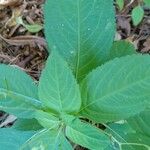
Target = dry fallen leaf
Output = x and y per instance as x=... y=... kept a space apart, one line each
x=146 y=46
x=16 y=12
x=124 y=24
x=25 y=40
x=9 y=119
x=10 y=2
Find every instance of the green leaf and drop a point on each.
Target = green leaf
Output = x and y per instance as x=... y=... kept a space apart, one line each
x=18 y=92
x=13 y=139
x=87 y=135
x=136 y=141
x=58 y=89
x=26 y=125
x=47 y=139
x=116 y=90
x=121 y=48
x=120 y=3
x=141 y=122
x=111 y=148
x=82 y=32
x=147 y=3
x=137 y=15
x=33 y=28
x=126 y=138
x=47 y=120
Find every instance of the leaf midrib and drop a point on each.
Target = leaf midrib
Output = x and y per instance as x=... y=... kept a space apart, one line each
x=78 y=38
x=58 y=88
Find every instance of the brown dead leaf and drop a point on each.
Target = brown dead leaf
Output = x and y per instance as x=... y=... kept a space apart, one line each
x=25 y=40
x=10 y=2
x=16 y=12
x=124 y=24
x=9 y=119
x=146 y=46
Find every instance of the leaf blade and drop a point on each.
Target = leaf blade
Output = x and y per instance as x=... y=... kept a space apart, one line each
x=137 y=15
x=79 y=34
x=47 y=120
x=147 y=3
x=108 y=99
x=121 y=48
x=140 y=123
x=62 y=94
x=49 y=139
x=18 y=92
x=120 y=3
x=13 y=139
x=86 y=135
x=127 y=137
x=26 y=125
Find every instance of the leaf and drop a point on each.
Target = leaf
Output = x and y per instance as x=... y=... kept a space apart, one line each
x=26 y=125
x=121 y=48
x=147 y=3
x=33 y=28
x=141 y=122
x=13 y=139
x=87 y=135
x=120 y=3
x=58 y=89
x=82 y=32
x=47 y=120
x=136 y=141
x=117 y=90
x=137 y=15
x=47 y=139
x=18 y=92
x=127 y=138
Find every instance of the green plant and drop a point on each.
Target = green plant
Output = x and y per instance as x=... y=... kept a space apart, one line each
x=34 y=28
x=120 y=4
x=137 y=13
x=82 y=82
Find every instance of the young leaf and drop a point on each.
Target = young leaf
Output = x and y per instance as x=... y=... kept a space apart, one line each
x=13 y=139
x=121 y=48
x=47 y=140
x=117 y=90
x=120 y=3
x=27 y=125
x=82 y=32
x=127 y=138
x=141 y=122
x=33 y=28
x=136 y=141
x=58 y=89
x=18 y=92
x=147 y=3
x=47 y=120
x=87 y=135
x=137 y=15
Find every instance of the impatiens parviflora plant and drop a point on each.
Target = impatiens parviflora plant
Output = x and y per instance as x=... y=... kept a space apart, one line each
x=87 y=78
x=56 y=103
